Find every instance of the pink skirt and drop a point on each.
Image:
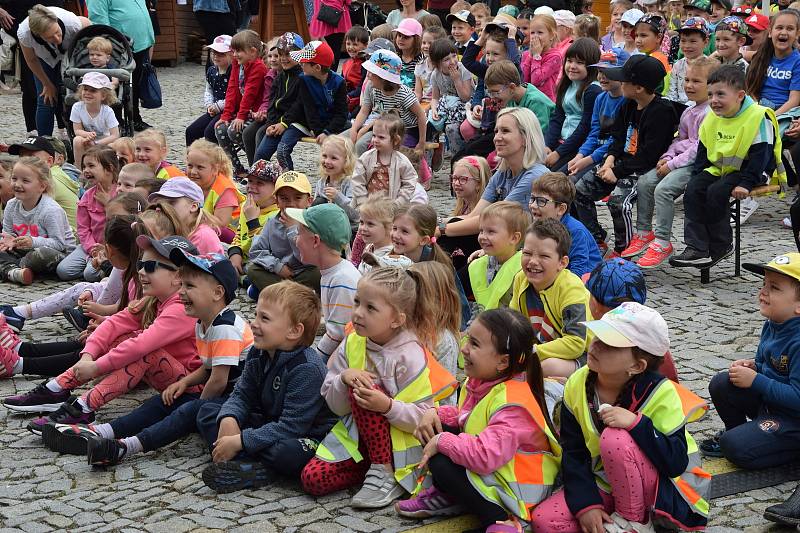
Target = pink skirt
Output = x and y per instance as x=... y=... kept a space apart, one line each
x=319 y=29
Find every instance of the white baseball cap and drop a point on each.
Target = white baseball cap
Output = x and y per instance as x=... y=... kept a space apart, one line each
x=632 y=16
x=544 y=10
x=633 y=324
x=221 y=44
x=564 y=17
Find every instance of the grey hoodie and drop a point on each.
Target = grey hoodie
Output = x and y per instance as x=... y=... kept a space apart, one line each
x=46 y=224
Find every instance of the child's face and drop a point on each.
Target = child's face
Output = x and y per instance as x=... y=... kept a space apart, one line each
x=124 y=155
x=197 y=294
x=758 y=37
x=481 y=18
x=406 y=239
x=273 y=59
x=94 y=172
x=616 y=14
x=575 y=69
x=427 y=39
x=538 y=29
x=718 y=12
x=692 y=44
x=262 y=191
x=724 y=100
x=543 y=206
x=200 y=170
x=26 y=184
x=354 y=47
x=461 y=31
x=607 y=84
x=162 y=282
x=381 y=139
x=651 y=8
x=646 y=39
x=630 y=90
x=563 y=32
x=694 y=12
x=246 y=55
x=185 y=208
x=271 y=325
x=403 y=42
x=332 y=160
x=308 y=245
x=98 y=58
x=541 y=262
x=628 y=32
x=609 y=360
x=450 y=61
x=150 y=153
x=90 y=95
x=524 y=24
x=494 y=51
x=695 y=86
x=287 y=197
x=501 y=93
x=125 y=182
x=287 y=63
x=221 y=59
x=6 y=190
x=784 y=34
x=374 y=316
x=311 y=69
x=481 y=360
x=777 y=299
x=495 y=238
x=727 y=44
x=372 y=231
x=464 y=185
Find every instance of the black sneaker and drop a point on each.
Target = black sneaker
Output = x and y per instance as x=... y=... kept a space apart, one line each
x=39 y=400
x=710 y=447
x=720 y=256
x=104 y=452
x=70 y=412
x=141 y=125
x=67 y=438
x=787 y=512
x=75 y=316
x=231 y=476
x=690 y=258
x=12 y=319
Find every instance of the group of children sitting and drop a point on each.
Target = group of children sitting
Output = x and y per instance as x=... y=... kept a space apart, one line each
x=347 y=375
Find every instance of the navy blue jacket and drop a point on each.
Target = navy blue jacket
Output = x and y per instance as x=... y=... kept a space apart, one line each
x=285 y=91
x=778 y=366
x=321 y=108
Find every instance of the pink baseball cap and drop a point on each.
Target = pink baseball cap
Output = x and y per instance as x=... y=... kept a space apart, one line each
x=632 y=324
x=221 y=44
x=409 y=27
x=97 y=80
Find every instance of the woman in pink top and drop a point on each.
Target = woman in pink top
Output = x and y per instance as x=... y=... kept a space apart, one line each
x=497 y=356
x=101 y=169
x=333 y=34
x=152 y=340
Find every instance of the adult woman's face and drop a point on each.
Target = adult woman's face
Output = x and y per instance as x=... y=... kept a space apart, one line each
x=508 y=140
x=53 y=35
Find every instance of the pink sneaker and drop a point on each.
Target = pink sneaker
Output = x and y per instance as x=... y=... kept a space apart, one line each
x=655 y=255
x=429 y=502
x=637 y=244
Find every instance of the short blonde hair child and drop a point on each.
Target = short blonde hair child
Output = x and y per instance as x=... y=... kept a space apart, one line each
x=479 y=8
x=215 y=154
x=39 y=168
x=382 y=31
x=512 y=214
x=345 y=146
x=125 y=144
x=460 y=5
x=138 y=171
x=151 y=135
x=300 y=303
x=101 y=44
x=380 y=208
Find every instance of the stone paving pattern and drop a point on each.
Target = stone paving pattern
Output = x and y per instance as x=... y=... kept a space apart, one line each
x=40 y=491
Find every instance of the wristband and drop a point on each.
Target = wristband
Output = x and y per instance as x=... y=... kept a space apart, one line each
x=443 y=228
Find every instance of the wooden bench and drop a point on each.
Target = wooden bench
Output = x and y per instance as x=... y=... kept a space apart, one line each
x=428 y=145
x=764 y=190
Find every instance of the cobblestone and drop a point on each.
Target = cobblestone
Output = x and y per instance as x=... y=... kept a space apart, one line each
x=710 y=326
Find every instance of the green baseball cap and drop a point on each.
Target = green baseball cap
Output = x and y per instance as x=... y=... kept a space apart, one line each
x=329 y=221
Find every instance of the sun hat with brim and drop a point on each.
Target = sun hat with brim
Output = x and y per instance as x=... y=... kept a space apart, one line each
x=632 y=324
x=501 y=21
x=215 y=264
x=737 y=26
x=786 y=264
x=409 y=27
x=221 y=44
x=179 y=187
x=165 y=246
x=378 y=44
x=96 y=80
x=385 y=64
x=329 y=221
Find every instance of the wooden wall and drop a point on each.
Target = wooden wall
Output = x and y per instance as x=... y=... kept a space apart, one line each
x=177 y=22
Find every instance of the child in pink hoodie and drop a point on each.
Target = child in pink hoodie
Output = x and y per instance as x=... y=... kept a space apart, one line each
x=152 y=340
x=500 y=436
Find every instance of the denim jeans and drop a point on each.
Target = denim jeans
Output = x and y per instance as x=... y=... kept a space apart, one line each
x=78 y=265
x=658 y=194
x=45 y=113
x=283 y=145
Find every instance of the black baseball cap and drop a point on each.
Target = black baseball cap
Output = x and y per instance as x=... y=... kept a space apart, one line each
x=214 y=264
x=164 y=247
x=640 y=69
x=34 y=144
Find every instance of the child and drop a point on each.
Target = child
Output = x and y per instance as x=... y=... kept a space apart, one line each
x=604 y=112
x=208 y=166
x=504 y=396
x=125 y=149
x=650 y=31
x=719 y=10
x=92 y=117
x=616 y=37
x=355 y=40
x=336 y=165
x=451 y=88
x=244 y=93
x=424 y=69
x=588 y=25
x=36 y=235
x=217 y=76
x=757 y=26
x=273 y=255
x=773 y=77
x=256 y=210
x=553 y=298
x=763 y=389
x=131 y=174
x=641 y=416
x=208 y=286
x=408 y=43
x=642 y=131
x=482 y=15
x=380 y=381
x=99 y=50
x=374 y=228
x=383 y=168
x=658 y=188
x=628 y=22
x=738 y=143
x=151 y=149
x=523 y=24
x=462 y=29
x=470 y=175
x=693 y=37
x=152 y=340
x=100 y=170
x=541 y=64
x=387 y=93
x=255 y=130
x=577 y=91
x=731 y=35
x=565 y=22
x=321 y=235
x=497 y=42
x=413 y=230
x=551 y=197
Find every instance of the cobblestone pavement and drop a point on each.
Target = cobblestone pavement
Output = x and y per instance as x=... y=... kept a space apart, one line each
x=710 y=325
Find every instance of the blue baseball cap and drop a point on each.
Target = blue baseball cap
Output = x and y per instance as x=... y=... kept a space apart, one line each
x=290 y=41
x=615 y=281
x=214 y=264
x=616 y=57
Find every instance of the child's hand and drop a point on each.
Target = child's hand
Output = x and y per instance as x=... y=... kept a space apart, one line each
x=135 y=306
x=212 y=110
x=101 y=196
x=607 y=175
x=512 y=31
x=173 y=391
x=330 y=193
x=92 y=307
x=428 y=427
x=430 y=449
x=742 y=376
x=434 y=115
x=85 y=296
x=477 y=254
x=477 y=112
x=353 y=377
x=740 y=193
x=250 y=208
x=662 y=168
x=23 y=243
x=321 y=137
x=617 y=417
x=551 y=159
x=372 y=399
x=226 y=448
x=536 y=46
x=592 y=521
x=238 y=263
x=85 y=371
x=749 y=363
x=237 y=124
x=420 y=148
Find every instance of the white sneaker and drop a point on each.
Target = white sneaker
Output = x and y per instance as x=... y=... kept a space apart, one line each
x=623 y=525
x=787 y=222
x=379 y=490
x=747 y=207
x=23 y=276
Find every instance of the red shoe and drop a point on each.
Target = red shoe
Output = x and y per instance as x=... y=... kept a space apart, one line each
x=638 y=244
x=613 y=254
x=602 y=201
x=655 y=255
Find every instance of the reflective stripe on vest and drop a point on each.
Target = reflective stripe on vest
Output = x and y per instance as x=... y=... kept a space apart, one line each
x=660 y=408
x=221 y=184
x=487 y=295
x=433 y=382
x=528 y=478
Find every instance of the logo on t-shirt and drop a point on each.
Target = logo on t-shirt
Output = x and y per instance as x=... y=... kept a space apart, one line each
x=779 y=73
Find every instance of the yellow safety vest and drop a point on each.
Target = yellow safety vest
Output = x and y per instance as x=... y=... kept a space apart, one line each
x=488 y=295
x=670 y=407
x=528 y=478
x=221 y=184
x=432 y=383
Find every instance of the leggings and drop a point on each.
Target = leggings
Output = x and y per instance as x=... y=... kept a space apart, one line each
x=106 y=291
x=49 y=358
x=320 y=477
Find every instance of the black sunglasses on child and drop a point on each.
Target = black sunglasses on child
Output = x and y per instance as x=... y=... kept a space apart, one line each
x=151 y=266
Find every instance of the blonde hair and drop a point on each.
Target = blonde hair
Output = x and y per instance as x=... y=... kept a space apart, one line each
x=109 y=98
x=40 y=19
x=436 y=288
x=531 y=132
x=382 y=31
x=425 y=222
x=39 y=168
x=512 y=214
x=126 y=143
x=378 y=207
x=478 y=168
x=101 y=44
x=215 y=154
x=300 y=303
x=549 y=23
x=479 y=8
x=246 y=39
x=459 y=6
x=151 y=135
x=710 y=65
x=164 y=217
x=346 y=148
x=138 y=171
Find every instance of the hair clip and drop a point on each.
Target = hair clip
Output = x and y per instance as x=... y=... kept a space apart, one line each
x=472 y=160
x=433 y=240
x=133 y=224
x=138 y=206
x=508 y=343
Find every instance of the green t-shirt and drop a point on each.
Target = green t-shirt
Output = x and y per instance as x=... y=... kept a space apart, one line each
x=536 y=101
x=65 y=192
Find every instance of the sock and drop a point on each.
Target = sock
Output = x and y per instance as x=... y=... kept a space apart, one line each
x=104 y=430
x=133 y=445
x=17 y=367
x=22 y=311
x=662 y=242
x=53 y=386
x=84 y=406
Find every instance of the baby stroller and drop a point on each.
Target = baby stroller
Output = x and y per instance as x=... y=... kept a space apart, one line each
x=76 y=63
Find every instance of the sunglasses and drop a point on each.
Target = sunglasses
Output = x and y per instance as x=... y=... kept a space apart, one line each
x=151 y=266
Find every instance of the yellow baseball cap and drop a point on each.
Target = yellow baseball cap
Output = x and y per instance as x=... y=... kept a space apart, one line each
x=787 y=264
x=296 y=180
